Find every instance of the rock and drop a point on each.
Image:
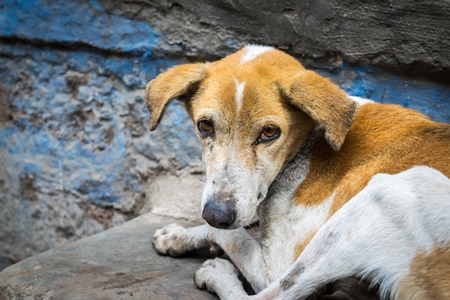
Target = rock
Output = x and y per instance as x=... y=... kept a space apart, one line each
x=58 y=134
x=5 y=262
x=119 y=263
x=74 y=80
x=132 y=81
x=408 y=36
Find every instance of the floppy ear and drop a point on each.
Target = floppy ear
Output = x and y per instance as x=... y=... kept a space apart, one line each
x=324 y=102
x=177 y=82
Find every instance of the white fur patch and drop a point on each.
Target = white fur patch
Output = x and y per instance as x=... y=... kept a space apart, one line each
x=252 y=51
x=239 y=94
x=361 y=101
x=303 y=220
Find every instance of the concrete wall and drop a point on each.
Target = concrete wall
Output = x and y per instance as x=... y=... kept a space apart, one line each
x=76 y=155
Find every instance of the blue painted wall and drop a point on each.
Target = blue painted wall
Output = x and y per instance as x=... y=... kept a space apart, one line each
x=74 y=142
x=75 y=22
x=74 y=134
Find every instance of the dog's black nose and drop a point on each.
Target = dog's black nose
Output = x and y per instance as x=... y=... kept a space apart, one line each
x=219 y=214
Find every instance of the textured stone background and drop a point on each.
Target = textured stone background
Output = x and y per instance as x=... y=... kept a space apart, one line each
x=76 y=155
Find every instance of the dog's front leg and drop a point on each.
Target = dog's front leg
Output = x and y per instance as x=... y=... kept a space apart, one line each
x=176 y=240
x=244 y=251
x=238 y=244
x=220 y=277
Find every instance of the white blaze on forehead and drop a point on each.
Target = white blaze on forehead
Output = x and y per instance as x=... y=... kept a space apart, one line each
x=253 y=51
x=239 y=94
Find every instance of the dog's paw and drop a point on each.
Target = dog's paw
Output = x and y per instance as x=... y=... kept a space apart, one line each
x=215 y=273
x=172 y=240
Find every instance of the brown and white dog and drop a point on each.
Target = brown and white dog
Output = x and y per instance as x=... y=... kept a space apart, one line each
x=343 y=187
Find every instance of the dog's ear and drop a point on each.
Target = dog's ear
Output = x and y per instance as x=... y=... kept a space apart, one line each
x=324 y=102
x=178 y=82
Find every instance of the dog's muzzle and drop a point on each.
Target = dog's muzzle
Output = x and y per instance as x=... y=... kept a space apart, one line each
x=219 y=214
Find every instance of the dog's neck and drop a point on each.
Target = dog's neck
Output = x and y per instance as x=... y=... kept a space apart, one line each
x=294 y=171
x=284 y=225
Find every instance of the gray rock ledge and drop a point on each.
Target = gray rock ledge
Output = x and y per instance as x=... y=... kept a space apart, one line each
x=119 y=263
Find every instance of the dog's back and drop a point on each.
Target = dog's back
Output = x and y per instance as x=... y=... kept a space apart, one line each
x=382 y=139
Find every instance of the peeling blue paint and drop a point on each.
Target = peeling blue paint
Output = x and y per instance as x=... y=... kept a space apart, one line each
x=51 y=149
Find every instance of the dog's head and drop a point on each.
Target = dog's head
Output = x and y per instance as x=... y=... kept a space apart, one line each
x=252 y=110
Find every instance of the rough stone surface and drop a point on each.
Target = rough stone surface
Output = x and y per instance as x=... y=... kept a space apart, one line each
x=116 y=264
x=75 y=150
x=407 y=35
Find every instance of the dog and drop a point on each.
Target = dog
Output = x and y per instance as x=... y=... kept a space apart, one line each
x=344 y=188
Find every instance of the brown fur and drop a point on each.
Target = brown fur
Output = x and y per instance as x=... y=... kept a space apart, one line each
x=324 y=102
x=382 y=139
x=300 y=247
x=160 y=91
x=212 y=86
x=428 y=277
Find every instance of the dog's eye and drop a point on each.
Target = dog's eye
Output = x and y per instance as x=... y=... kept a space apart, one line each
x=268 y=133
x=206 y=127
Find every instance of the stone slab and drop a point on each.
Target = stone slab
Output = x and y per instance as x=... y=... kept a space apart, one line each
x=118 y=263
